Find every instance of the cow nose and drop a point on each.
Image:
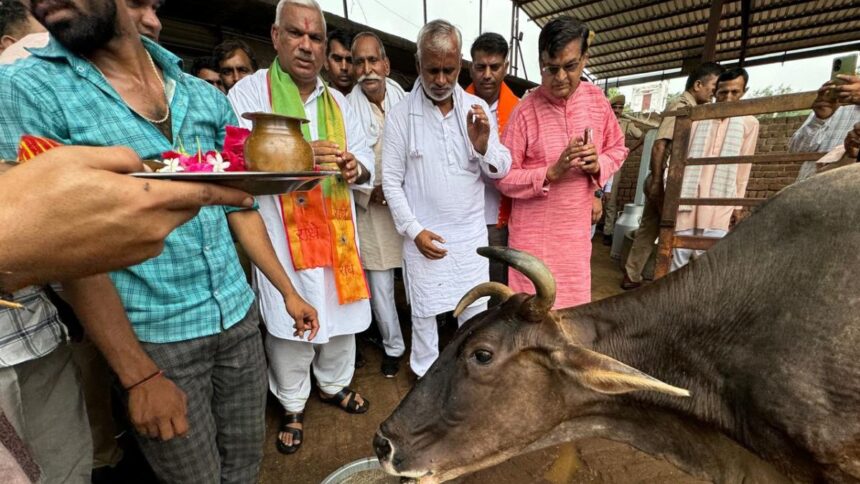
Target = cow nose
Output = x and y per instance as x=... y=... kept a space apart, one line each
x=382 y=447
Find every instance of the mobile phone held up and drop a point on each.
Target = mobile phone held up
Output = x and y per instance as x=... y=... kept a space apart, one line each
x=844 y=65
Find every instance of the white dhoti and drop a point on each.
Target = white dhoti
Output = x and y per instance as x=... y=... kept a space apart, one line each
x=425 y=338
x=290 y=365
x=435 y=181
x=385 y=311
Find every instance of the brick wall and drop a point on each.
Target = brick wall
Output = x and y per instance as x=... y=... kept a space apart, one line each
x=765 y=179
x=629 y=175
x=773 y=136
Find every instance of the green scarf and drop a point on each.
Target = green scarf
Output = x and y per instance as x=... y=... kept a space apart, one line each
x=318 y=223
x=286 y=100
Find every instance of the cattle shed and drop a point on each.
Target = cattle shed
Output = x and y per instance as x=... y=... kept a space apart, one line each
x=640 y=41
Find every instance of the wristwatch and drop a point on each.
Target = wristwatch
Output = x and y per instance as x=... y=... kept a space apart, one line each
x=598 y=193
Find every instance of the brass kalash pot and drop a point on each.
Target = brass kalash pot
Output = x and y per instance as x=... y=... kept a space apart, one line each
x=276 y=144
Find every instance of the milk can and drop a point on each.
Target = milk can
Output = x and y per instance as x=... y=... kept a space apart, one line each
x=629 y=220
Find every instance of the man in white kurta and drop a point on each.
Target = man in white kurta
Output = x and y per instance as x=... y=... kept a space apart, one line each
x=332 y=352
x=381 y=246
x=438 y=142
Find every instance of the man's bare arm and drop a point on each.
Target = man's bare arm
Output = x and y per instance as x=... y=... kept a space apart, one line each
x=157 y=407
x=251 y=232
x=659 y=155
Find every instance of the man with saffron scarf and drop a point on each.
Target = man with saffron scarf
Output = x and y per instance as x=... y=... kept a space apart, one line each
x=313 y=232
x=555 y=170
x=440 y=143
x=489 y=66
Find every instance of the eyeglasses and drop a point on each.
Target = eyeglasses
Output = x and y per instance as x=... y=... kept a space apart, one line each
x=570 y=68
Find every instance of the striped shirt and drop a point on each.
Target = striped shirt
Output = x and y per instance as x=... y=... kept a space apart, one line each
x=196 y=287
x=819 y=135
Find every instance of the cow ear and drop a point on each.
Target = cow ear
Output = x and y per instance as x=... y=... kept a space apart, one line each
x=606 y=375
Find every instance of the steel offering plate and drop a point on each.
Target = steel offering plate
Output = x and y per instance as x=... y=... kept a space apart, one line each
x=253 y=182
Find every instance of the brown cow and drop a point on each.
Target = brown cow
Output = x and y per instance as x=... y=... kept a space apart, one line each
x=751 y=350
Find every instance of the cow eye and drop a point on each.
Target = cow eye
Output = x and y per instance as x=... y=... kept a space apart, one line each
x=483 y=356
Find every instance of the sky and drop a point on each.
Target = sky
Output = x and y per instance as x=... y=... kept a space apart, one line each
x=405 y=17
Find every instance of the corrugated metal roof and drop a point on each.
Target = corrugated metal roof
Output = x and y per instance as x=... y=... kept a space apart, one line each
x=650 y=36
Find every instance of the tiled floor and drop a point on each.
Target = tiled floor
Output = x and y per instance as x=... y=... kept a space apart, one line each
x=334 y=438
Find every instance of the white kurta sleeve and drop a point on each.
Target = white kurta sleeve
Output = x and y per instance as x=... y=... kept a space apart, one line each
x=496 y=163
x=394 y=154
x=246 y=97
x=356 y=140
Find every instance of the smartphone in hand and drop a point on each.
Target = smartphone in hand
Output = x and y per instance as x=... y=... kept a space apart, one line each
x=844 y=65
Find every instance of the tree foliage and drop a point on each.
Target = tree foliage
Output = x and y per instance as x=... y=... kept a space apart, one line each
x=769 y=91
x=776 y=91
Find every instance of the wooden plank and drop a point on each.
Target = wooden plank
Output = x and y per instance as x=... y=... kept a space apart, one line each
x=664 y=252
x=680 y=145
x=772 y=104
x=745 y=30
x=710 y=49
x=672 y=195
x=722 y=202
x=694 y=242
x=756 y=159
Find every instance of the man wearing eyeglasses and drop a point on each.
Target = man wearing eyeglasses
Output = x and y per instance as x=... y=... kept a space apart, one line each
x=557 y=167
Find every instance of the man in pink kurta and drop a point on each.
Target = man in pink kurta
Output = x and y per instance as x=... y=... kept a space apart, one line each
x=722 y=137
x=555 y=173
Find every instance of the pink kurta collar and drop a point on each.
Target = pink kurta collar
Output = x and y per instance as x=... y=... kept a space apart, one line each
x=562 y=103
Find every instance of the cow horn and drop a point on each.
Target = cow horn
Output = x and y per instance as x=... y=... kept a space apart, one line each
x=499 y=293
x=531 y=267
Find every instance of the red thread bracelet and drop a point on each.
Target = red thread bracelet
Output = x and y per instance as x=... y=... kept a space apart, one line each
x=141 y=382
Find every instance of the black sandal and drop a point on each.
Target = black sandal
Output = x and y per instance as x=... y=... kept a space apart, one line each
x=352 y=406
x=286 y=419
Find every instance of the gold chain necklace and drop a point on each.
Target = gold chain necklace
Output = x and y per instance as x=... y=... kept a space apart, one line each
x=163 y=87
